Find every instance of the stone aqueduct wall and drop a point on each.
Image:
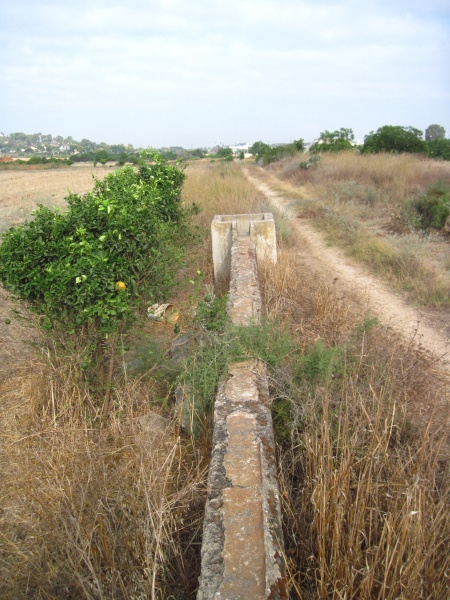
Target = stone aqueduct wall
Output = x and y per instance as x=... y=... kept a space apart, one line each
x=242 y=548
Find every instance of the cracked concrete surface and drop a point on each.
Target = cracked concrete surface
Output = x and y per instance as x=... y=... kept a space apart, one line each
x=242 y=546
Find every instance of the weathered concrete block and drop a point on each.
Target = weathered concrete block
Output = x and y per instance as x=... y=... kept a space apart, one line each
x=242 y=548
x=225 y=229
x=242 y=545
x=244 y=301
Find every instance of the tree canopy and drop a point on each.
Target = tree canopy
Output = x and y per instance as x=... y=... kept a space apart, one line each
x=394 y=138
x=434 y=132
x=266 y=154
x=334 y=141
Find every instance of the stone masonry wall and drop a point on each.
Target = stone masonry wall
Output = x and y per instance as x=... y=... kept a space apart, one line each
x=242 y=548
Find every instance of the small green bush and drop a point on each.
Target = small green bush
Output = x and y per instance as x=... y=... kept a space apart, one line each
x=433 y=207
x=321 y=363
x=439 y=148
x=334 y=141
x=265 y=154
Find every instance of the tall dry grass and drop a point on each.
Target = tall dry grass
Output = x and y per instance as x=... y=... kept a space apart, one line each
x=394 y=177
x=362 y=203
x=363 y=473
x=219 y=189
x=95 y=511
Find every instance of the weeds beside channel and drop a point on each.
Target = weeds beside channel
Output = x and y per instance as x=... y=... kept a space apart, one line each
x=364 y=482
x=115 y=511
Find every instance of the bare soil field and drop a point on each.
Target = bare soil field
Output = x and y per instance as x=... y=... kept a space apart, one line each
x=21 y=191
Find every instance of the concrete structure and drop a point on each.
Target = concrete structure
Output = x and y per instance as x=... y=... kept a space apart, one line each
x=225 y=229
x=242 y=548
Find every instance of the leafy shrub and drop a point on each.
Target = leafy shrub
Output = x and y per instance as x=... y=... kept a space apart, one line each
x=225 y=154
x=439 y=148
x=321 y=363
x=433 y=207
x=265 y=154
x=211 y=312
x=67 y=266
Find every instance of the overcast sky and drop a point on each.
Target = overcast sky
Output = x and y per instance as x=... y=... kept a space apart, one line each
x=200 y=73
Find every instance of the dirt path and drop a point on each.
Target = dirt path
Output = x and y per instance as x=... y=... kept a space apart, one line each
x=428 y=332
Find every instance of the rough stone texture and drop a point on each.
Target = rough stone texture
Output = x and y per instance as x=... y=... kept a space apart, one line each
x=242 y=539
x=242 y=546
x=151 y=422
x=244 y=303
x=225 y=229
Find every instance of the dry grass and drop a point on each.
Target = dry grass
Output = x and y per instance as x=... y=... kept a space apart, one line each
x=112 y=511
x=219 y=189
x=365 y=488
x=21 y=191
x=391 y=178
x=361 y=203
x=91 y=510
x=100 y=513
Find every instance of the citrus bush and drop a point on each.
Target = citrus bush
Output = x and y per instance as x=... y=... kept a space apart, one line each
x=85 y=271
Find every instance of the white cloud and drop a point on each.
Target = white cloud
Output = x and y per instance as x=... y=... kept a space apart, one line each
x=201 y=71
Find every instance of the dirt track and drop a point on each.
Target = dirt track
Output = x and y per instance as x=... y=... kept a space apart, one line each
x=426 y=330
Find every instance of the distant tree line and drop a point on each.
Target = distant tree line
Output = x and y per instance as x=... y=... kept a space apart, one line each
x=266 y=154
x=389 y=138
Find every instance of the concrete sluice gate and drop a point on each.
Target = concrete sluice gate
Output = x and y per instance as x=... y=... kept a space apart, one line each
x=242 y=547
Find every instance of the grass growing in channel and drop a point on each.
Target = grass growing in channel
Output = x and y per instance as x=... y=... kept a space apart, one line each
x=113 y=512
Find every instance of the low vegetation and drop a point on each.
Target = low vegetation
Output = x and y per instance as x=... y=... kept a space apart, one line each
x=86 y=271
x=265 y=154
x=383 y=209
x=114 y=509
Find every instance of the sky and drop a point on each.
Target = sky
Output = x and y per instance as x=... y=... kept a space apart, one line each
x=220 y=72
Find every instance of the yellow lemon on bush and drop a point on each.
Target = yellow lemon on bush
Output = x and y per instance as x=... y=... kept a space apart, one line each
x=120 y=286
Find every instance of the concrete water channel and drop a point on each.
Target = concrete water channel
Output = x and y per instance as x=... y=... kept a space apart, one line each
x=242 y=547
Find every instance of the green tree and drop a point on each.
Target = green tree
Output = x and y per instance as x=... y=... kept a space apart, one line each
x=265 y=154
x=439 y=148
x=394 y=138
x=434 y=132
x=101 y=156
x=334 y=141
x=258 y=149
x=197 y=153
x=225 y=154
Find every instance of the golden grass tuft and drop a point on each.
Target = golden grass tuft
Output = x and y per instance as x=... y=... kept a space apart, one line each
x=97 y=512
x=219 y=189
x=363 y=477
